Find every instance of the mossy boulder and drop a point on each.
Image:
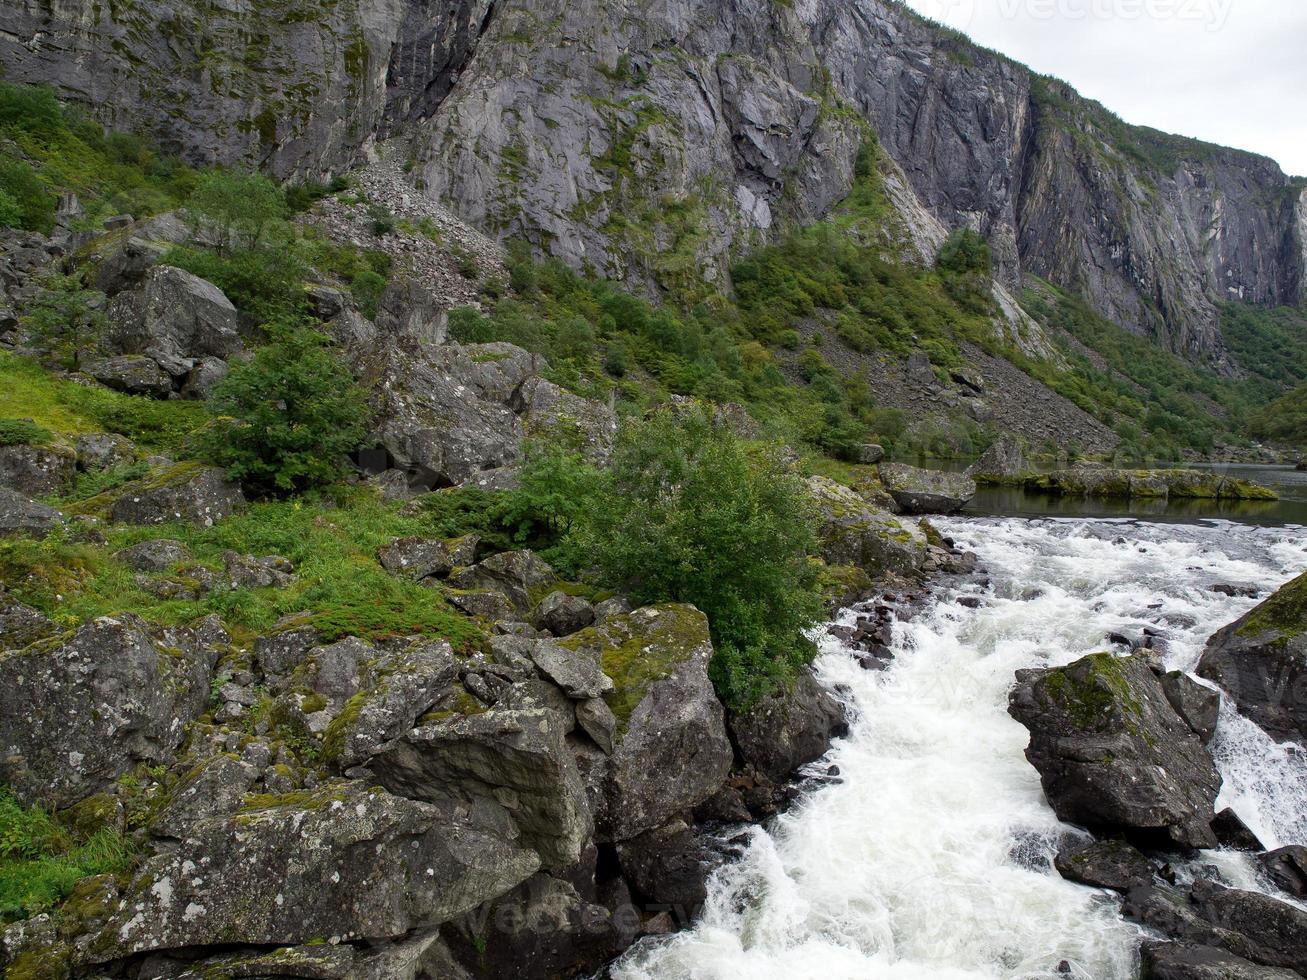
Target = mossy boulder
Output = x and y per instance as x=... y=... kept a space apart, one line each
x=855 y=533
x=918 y=491
x=1260 y=661
x=37 y=471
x=185 y=492
x=670 y=750
x=1113 y=754
x=1097 y=481
x=19 y=515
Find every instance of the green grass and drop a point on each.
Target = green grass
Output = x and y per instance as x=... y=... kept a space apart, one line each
x=67 y=409
x=41 y=859
x=332 y=541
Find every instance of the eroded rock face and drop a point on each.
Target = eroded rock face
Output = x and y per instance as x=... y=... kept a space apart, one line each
x=919 y=491
x=75 y=716
x=1260 y=661
x=1111 y=751
x=340 y=861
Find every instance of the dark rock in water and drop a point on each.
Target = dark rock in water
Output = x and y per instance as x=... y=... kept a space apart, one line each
x=1260 y=661
x=1002 y=461
x=1277 y=930
x=789 y=728
x=37 y=471
x=544 y=928
x=669 y=865
x=1237 y=591
x=920 y=491
x=341 y=860
x=1233 y=833
x=1288 y=869
x=76 y=716
x=1199 y=706
x=1105 y=864
x=204 y=496
x=19 y=515
x=1187 y=961
x=1111 y=751
x=563 y=614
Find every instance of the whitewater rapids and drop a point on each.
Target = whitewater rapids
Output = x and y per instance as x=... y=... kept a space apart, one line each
x=931 y=858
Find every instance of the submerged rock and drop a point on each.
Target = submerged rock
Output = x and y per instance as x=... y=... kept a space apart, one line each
x=919 y=491
x=1260 y=661
x=1111 y=751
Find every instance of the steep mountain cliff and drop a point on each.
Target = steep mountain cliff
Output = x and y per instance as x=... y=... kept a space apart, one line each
x=655 y=141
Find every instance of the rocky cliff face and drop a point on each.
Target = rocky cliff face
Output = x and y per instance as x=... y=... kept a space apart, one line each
x=656 y=140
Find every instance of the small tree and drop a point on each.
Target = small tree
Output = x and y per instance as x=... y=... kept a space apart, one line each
x=287 y=419
x=68 y=318
x=693 y=515
x=239 y=206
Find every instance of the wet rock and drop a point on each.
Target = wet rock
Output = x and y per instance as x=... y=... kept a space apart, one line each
x=419 y=558
x=1233 y=833
x=134 y=374
x=511 y=766
x=1199 y=706
x=98 y=451
x=671 y=750
x=563 y=614
x=1237 y=591
x=669 y=866
x=1187 y=961
x=76 y=716
x=1105 y=864
x=249 y=572
x=36 y=471
x=19 y=515
x=919 y=491
x=343 y=860
x=1260 y=661
x=174 y=318
x=1111 y=751
x=789 y=728
x=202 y=496
x=1277 y=930
x=1287 y=867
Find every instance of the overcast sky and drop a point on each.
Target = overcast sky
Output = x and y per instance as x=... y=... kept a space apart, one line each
x=1228 y=71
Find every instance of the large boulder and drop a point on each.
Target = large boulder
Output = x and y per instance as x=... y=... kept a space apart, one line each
x=77 y=715
x=1287 y=867
x=1111 y=864
x=517 y=575
x=37 y=471
x=544 y=407
x=854 y=532
x=419 y=558
x=1260 y=661
x=919 y=491
x=175 y=318
x=19 y=515
x=1188 y=961
x=1113 y=753
x=134 y=374
x=788 y=728
x=1004 y=461
x=510 y=768
x=670 y=747
x=342 y=862
x=185 y=493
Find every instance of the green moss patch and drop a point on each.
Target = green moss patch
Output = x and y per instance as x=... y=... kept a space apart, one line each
x=1284 y=613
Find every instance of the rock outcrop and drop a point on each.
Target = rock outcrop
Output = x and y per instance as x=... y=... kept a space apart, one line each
x=918 y=491
x=1097 y=481
x=1260 y=661
x=854 y=531
x=1112 y=752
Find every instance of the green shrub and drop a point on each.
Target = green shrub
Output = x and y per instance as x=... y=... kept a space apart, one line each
x=29 y=204
x=41 y=860
x=68 y=318
x=241 y=207
x=23 y=432
x=265 y=284
x=287 y=418
x=690 y=514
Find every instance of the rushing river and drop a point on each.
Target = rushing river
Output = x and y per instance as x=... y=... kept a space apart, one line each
x=931 y=858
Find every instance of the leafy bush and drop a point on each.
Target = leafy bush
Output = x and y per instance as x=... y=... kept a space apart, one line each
x=23 y=432
x=239 y=206
x=288 y=417
x=1284 y=420
x=690 y=514
x=265 y=284
x=26 y=202
x=68 y=318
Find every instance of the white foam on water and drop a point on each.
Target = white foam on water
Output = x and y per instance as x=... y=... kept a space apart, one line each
x=931 y=859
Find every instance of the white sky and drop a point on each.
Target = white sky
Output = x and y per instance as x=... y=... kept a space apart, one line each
x=1228 y=71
